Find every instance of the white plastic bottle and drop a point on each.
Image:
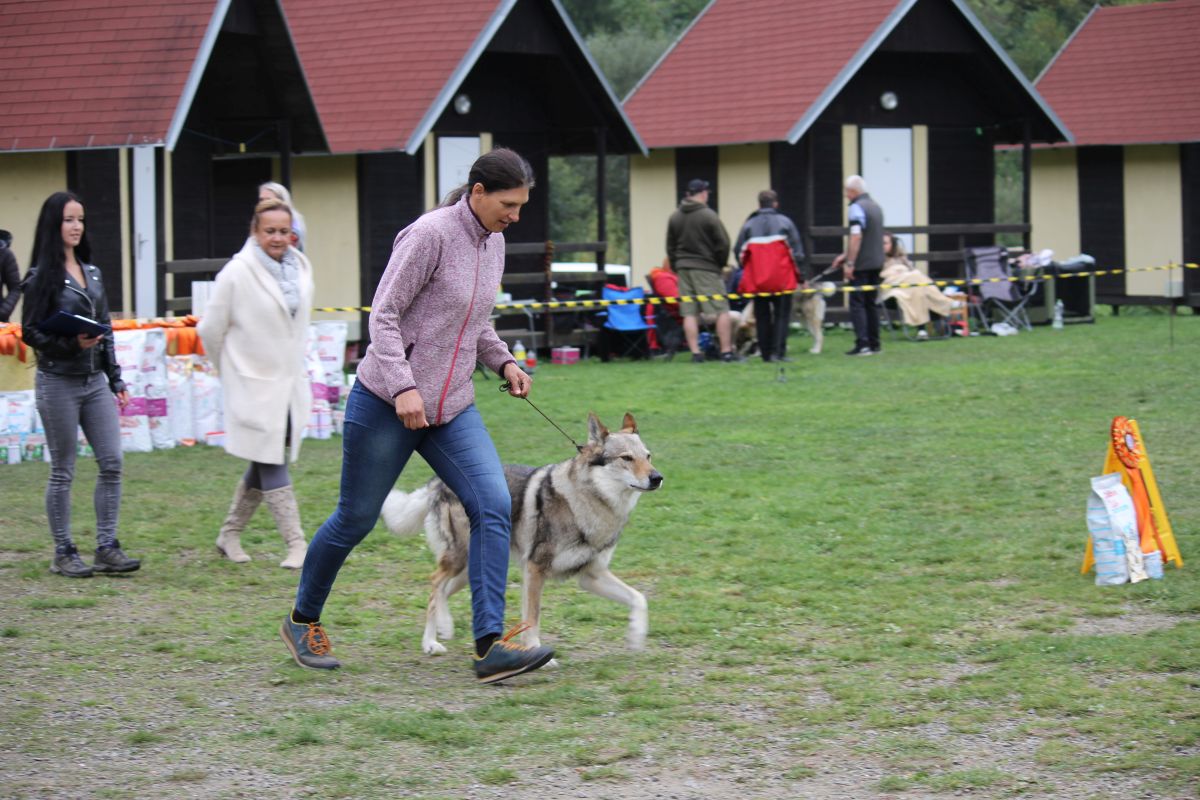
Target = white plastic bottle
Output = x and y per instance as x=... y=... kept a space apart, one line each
x=518 y=352
x=1058 y=315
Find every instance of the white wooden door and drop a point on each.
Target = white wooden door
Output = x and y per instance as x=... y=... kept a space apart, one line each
x=887 y=167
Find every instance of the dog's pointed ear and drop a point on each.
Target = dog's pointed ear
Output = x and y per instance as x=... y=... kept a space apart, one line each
x=597 y=433
x=628 y=425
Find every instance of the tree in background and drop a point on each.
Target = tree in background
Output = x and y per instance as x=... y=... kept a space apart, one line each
x=625 y=37
x=1031 y=32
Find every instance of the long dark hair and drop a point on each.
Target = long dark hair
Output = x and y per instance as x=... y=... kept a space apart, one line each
x=49 y=258
x=498 y=170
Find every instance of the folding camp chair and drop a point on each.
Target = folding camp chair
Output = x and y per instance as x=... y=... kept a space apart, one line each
x=1001 y=292
x=892 y=318
x=668 y=325
x=624 y=326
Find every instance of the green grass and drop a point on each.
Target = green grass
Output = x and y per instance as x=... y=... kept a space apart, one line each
x=863 y=578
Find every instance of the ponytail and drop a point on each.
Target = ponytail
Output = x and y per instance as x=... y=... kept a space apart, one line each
x=496 y=171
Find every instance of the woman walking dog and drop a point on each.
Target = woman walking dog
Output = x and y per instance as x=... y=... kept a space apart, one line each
x=429 y=324
x=77 y=377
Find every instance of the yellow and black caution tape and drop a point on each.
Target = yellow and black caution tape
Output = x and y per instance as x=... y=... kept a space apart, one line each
x=570 y=305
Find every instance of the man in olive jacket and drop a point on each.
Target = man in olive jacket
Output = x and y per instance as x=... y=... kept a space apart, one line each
x=698 y=249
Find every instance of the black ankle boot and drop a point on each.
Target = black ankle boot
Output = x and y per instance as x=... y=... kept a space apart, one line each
x=111 y=559
x=68 y=564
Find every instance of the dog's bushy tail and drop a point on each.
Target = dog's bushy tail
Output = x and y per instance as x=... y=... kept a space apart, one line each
x=404 y=513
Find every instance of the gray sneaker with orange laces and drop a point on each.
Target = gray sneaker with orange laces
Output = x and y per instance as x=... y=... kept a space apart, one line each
x=505 y=658
x=308 y=644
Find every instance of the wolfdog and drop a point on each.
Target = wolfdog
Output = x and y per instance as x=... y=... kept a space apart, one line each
x=566 y=520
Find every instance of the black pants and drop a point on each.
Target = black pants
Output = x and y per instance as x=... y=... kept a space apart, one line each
x=772 y=318
x=864 y=314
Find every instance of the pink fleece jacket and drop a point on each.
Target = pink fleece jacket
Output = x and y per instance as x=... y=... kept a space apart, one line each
x=430 y=319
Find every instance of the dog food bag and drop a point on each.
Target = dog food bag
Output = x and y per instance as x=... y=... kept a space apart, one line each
x=82 y=448
x=135 y=423
x=329 y=339
x=130 y=345
x=320 y=421
x=326 y=358
x=20 y=411
x=207 y=413
x=1123 y=515
x=32 y=445
x=153 y=370
x=179 y=399
x=1112 y=523
x=316 y=372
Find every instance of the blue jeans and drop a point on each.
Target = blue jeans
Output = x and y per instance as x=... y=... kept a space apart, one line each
x=67 y=403
x=375 y=448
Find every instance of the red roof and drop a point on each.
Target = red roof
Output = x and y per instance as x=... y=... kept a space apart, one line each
x=749 y=70
x=375 y=67
x=1130 y=75
x=95 y=73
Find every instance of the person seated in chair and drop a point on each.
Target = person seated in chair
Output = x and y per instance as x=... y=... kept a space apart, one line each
x=668 y=323
x=915 y=302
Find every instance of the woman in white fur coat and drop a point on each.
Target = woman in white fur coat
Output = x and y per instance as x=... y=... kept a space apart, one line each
x=255 y=330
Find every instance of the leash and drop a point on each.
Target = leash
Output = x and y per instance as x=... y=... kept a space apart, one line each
x=504 y=387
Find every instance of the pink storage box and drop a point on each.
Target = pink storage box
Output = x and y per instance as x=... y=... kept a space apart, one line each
x=564 y=355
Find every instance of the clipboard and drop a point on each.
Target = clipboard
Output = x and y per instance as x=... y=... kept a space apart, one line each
x=64 y=324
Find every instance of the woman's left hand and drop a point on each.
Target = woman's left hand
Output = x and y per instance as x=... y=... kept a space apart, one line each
x=518 y=379
x=123 y=398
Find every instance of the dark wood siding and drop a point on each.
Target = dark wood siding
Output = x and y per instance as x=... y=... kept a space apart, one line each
x=95 y=175
x=391 y=194
x=191 y=199
x=1102 y=213
x=1189 y=168
x=828 y=197
x=789 y=179
x=961 y=190
x=534 y=225
x=808 y=205
x=697 y=162
x=235 y=185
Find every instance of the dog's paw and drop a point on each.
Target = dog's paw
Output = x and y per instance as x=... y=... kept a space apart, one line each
x=816 y=351
x=433 y=648
x=551 y=664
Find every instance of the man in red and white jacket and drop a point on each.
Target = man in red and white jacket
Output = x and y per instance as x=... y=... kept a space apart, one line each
x=770 y=253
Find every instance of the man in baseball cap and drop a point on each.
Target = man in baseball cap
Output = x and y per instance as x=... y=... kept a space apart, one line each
x=698 y=248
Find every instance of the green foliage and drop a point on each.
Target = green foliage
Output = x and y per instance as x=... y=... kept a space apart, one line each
x=1033 y=31
x=649 y=16
x=573 y=205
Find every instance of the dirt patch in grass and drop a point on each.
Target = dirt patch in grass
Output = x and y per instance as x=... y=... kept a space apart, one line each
x=1130 y=622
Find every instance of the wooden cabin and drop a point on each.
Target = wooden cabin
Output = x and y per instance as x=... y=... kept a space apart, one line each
x=171 y=115
x=913 y=95
x=1127 y=191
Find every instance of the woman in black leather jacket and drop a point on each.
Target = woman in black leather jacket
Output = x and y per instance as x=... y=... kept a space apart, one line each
x=77 y=378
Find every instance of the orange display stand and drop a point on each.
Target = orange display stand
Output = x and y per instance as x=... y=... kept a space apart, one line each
x=1127 y=455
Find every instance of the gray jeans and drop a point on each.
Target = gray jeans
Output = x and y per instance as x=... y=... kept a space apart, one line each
x=65 y=403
